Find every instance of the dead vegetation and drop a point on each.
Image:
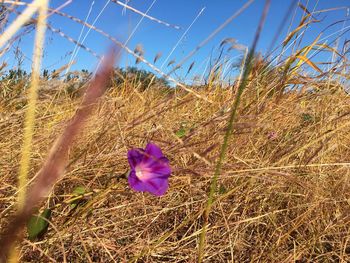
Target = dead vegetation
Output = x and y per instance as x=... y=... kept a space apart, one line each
x=283 y=193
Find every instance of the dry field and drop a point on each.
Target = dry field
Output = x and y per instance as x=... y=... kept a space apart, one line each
x=282 y=191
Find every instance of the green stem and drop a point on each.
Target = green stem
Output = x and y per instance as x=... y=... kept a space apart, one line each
x=242 y=86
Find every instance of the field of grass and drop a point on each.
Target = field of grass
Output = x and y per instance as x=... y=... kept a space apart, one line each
x=282 y=192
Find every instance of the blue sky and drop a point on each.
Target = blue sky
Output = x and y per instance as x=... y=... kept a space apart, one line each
x=155 y=37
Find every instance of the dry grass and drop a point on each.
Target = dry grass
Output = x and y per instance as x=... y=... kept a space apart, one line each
x=284 y=192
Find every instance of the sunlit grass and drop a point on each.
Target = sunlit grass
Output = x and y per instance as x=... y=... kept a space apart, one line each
x=280 y=187
x=29 y=122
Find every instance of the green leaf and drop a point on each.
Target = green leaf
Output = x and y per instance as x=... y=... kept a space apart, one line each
x=181 y=132
x=307 y=117
x=79 y=190
x=37 y=225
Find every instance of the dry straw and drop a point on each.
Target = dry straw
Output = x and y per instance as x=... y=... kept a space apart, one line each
x=283 y=192
x=32 y=101
x=56 y=161
x=40 y=6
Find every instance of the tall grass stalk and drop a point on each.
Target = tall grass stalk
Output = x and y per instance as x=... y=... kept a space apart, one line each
x=20 y=21
x=242 y=86
x=29 y=122
x=30 y=113
x=214 y=33
x=182 y=36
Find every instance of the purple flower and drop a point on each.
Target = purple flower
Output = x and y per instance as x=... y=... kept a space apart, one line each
x=150 y=170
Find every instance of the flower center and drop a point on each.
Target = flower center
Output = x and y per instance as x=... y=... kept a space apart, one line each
x=139 y=173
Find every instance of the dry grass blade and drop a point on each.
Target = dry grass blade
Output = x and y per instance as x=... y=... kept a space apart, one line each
x=30 y=113
x=283 y=191
x=62 y=34
x=20 y=21
x=158 y=55
x=55 y=164
x=228 y=40
x=304 y=8
x=32 y=99
x=70 y=39
x=171 y=62
x=124 y=47
x=190 y=67
x=324 y=46
x=145 y=15
x=182 y=37
x=216 y=31
x=310 y=63
x=304 y=22
x=139 y=51
x=302 y=56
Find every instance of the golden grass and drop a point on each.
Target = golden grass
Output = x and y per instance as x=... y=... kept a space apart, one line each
x=53 y=167
x=20 y=21
x=282 y=198
x=283 y=190
x=32 y=101
x=29 y=124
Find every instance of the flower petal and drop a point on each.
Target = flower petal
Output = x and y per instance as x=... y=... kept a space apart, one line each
x=158 y=168
x=135 y=183
x=135 y=157
x=155 y=186
x=152 y=152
